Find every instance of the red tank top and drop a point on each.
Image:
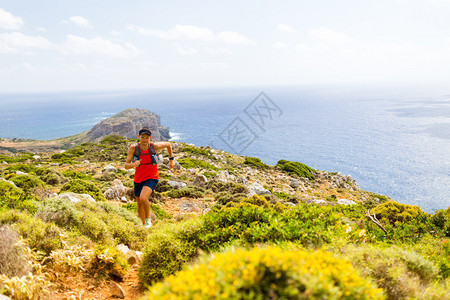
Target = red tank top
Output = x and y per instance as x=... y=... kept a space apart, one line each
x=145 y=170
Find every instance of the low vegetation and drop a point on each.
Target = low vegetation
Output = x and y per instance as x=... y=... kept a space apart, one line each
x=213 y=239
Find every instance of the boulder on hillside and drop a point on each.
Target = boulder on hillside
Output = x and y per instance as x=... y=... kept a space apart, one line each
x=177 y=185
x=200 y=180
x=116 y=191
x=258 y=189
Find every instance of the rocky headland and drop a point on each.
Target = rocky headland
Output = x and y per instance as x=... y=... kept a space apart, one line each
x=126 y=123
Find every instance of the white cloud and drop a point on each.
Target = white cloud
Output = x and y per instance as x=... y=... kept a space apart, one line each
x=42 y=29
x=215 y=65
x=234 y=38
x=79 y=45
x=279 y=45
x=330 y=36
x=16 y=42
x=116 y=32
x=186 y=50
x=9 y=21
x=189 y=32
x=285 y=28
x=219 y=50
x=176 y=33
x=80 y=21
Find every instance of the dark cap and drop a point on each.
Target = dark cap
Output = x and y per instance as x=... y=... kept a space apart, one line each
x=145 y=131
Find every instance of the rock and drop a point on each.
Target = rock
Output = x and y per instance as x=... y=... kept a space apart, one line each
x=346 y=202
x=4 y=163
x=116 y=191
x=189 y=207
x=36 y=157
x=128 y=123
x=116 y=290
x=177 y=185
x=222 y=176
x=242 y=180
x=123 y=248
x=86 y=197
x=21 y=173
x=109 y=168
x=124 y=199
x=132 y=260
x=139 y=255
x=3 y=297
x=294 y=183
x=86 y=162
x=69 y=197
x=290 y=204
x=163 y=167
x=256 y=188
x=319 y=202
x=177 y=165
x=54 y=164
x=73 y=197
x=200 y=180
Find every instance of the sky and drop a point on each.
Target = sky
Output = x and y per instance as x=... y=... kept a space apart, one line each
x=80 y=45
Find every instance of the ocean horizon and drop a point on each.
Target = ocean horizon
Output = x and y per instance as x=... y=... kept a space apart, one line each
x=394 y=142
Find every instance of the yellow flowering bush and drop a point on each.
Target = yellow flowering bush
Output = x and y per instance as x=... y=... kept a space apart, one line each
x=267 y=273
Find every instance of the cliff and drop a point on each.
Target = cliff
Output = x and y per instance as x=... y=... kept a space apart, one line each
x=127 y=124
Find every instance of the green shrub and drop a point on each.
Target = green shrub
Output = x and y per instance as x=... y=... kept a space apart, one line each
x=269 y=273
x=108 y=263
x=37 y=234
x=192 y=163
x=256 y=162
x=114 y=140
x=76 y=175
x=159 y=212
x=13 y=258
x=12 y=197
x=167 y=249
x=100 y=221
x=441 y=219
x=75 y=152
x=262 y=222
x=52 y=177
x=392 y=212
x=20 y=157
x=25 y=168
x=80 y=186
x=60 y=211
x=163 y=186
x=209 y=175
x=108 y=176
x=195 y=150
x=300 y=169
x=402 y=274
x=223 y=198
x=230 y=187
x=189 y=191
x=27 y=182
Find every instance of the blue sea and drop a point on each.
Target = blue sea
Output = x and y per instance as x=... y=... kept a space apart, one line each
x=393 y=141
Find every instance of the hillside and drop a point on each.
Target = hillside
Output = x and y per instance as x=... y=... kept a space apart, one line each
x=126 y=123
x=233 y=225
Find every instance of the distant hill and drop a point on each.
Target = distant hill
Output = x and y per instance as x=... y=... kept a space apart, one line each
x=126 y=123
